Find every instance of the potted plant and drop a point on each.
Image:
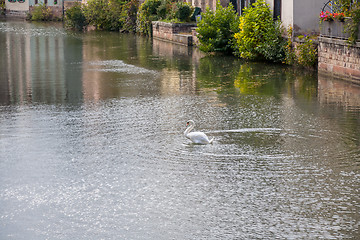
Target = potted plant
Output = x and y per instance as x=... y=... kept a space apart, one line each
x=332 y=25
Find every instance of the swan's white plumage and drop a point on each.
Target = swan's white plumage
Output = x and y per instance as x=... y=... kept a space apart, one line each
x=196 y=137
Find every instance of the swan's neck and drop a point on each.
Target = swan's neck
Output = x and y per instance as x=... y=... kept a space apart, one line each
x=188 y=130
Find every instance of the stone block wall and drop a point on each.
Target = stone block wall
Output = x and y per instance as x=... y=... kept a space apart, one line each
x=175 y=32
x=335 y=56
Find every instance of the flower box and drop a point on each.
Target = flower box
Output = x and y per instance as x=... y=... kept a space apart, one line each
x=335 y=29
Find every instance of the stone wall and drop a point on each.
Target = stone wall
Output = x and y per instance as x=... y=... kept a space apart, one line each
x=338 y=58
x=174 y=32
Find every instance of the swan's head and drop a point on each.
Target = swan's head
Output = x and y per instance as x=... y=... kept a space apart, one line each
x=190 y=122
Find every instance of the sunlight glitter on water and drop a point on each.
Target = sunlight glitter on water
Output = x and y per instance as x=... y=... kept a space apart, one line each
x=118 y=66
x=98 y=152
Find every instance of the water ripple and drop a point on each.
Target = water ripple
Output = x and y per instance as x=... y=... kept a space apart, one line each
x=117 y=66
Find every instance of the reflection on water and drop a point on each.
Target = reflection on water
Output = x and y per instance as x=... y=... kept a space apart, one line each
x=92 y=145
x=341 y=93
x=34 y=64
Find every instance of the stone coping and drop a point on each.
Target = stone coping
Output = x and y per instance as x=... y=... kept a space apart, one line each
x=337 y=41
x=168 y=24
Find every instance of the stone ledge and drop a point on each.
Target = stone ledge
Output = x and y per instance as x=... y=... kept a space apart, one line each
x=337 y=41
x=174 y=32
x=167 y=24
x=16 y=14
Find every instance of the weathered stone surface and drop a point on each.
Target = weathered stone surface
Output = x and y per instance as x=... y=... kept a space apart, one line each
x=339 y=58
x=174 y=32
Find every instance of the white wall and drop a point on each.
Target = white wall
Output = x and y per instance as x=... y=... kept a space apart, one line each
x=302 y=15
x=306 y=15
x=16 y=6
x=287 y=12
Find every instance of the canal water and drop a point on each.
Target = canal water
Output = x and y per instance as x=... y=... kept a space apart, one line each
x=92 y=144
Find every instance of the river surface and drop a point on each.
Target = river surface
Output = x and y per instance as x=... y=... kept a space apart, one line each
x=92 y=144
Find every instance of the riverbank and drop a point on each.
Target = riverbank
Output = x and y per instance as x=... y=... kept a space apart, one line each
x=295 y=53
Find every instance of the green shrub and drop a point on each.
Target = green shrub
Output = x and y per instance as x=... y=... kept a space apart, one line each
x=104 y=14
x=75 y=18
x=2 y=7
x=352 y=26
x=129 y=16
x=41 y=13
x=290 y=57
x=307 y=53
x=259 y=36
x=182 y=11
x=164 y=9
x=216 y=29
x=95 y=12
x=304 y=54
x=146 y=14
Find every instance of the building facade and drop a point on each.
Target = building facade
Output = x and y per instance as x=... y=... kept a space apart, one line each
x=20 y=8
x=301 y=15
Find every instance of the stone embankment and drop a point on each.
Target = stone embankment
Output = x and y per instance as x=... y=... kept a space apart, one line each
x=180 y=33
x=337 y=57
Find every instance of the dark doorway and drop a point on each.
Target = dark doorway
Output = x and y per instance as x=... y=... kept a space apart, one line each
x=242 y=6
x=277 y=9
x=234 y=3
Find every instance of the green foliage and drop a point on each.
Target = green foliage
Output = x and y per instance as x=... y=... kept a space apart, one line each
x=2 y=7
x=344 y=5
x=104 y=14
x=259 y=37
x=153 y=10
x=306 y=53
x=182 y=11
x=216 y=29
x=146 y=14
x=164 y=9
x=95 y=12
x=41 y=13
x=290 y=57
x=352 y=26
x=129 y=15
x=75 y=18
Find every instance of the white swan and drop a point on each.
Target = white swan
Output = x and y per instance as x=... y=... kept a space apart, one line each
x=196 y=137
